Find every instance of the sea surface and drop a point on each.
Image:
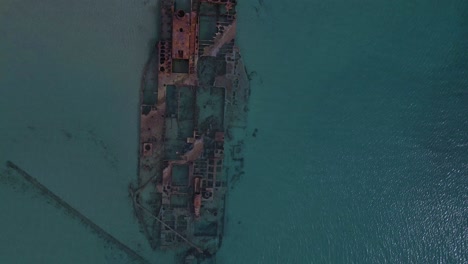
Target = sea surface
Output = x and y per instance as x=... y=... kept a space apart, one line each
x=361 y=108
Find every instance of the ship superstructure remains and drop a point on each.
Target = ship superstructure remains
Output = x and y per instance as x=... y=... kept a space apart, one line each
x=192 y=125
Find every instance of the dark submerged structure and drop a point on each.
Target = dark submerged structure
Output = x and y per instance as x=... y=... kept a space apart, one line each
x=194 y=99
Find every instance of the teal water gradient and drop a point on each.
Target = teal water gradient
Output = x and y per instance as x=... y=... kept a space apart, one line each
x=361 y=107
x=362 y=147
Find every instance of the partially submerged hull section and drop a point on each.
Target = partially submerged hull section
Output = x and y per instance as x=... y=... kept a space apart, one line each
x=193 y=119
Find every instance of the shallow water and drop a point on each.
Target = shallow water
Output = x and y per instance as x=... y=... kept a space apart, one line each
x=361 y=154
x=69 y=95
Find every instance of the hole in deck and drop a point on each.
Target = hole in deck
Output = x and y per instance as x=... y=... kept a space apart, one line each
x=181 y=13
x=180 y=66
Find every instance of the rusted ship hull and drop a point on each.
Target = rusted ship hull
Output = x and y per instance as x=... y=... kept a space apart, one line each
x=192 y=126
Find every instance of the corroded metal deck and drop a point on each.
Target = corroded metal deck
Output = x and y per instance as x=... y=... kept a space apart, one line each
x=193 y=121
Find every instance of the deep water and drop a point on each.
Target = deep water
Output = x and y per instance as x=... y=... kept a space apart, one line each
x=361 y=154
x=361 y=149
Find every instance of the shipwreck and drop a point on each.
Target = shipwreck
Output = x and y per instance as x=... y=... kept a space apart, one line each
x=194 y=104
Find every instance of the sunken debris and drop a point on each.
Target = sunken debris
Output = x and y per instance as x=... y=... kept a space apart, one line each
x=192 y=127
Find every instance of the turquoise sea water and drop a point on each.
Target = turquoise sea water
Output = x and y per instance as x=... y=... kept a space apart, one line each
x=362 y=150
x=361 y=107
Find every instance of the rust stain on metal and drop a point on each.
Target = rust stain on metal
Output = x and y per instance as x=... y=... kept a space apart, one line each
x=192 y=121
x=181 y=32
